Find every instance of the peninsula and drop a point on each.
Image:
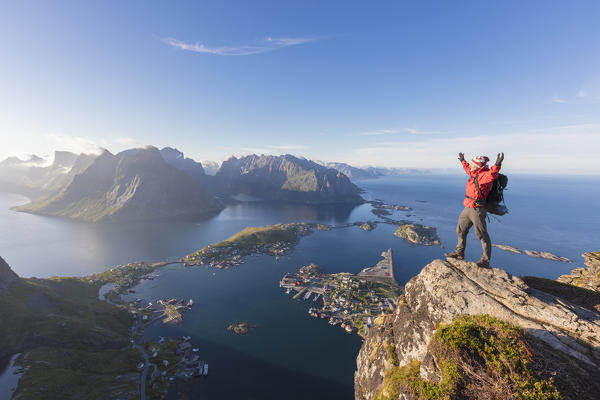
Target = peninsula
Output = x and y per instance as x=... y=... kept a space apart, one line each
x=274 y=240
x=351 y=301
x=532 y=253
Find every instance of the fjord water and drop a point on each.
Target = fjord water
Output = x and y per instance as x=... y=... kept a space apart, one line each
x=291 y=354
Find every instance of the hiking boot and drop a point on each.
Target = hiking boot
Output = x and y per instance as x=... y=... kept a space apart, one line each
x=459 y=255
x=483 y=263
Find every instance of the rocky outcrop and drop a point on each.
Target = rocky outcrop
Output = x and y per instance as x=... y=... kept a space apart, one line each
x=7 y=276
x=589 y=277
x=286 y=178
x=444 y=290
x=134 y=185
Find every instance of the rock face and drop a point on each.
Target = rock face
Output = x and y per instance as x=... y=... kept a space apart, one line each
x=286 y=178
x=134 y=185
x=589 y=277
x=176 y=159
x=7 y=275
x=444 y=290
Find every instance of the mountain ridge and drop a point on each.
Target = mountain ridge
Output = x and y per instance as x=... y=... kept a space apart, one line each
x=286 y=178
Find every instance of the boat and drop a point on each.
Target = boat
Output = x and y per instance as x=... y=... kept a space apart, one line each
x=195 y=350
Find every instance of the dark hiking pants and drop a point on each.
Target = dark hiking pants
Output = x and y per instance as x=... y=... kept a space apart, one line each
x=474 y=217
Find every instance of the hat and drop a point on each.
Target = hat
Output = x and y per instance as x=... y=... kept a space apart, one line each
x=480 y=160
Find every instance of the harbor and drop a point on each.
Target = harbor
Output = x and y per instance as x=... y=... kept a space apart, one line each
x=350 y=301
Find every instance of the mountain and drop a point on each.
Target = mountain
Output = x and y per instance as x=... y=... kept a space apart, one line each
x=176 y=159
x=353 y=172
x=397 y=171
x=134 y=185
x=7 y=276
x=73 y=344
x=286 y=178
x=460 y=331
x=30 y=177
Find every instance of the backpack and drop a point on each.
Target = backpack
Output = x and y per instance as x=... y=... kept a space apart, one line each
x=496 y=195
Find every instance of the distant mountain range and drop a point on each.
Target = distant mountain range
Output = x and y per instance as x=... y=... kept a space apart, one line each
x=151 y=184
x=31 y=176
x=137 y=184
x=286 y=178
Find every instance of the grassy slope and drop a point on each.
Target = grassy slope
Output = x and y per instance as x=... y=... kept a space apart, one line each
x=74 y=345
x=478 y=357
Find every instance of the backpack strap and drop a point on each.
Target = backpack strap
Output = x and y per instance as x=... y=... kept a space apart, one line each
x=481 y=201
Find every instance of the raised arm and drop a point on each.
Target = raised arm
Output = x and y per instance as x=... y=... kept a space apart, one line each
x=461 y=158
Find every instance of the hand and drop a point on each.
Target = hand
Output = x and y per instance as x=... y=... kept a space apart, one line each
x=461 y=157
x=500 y=159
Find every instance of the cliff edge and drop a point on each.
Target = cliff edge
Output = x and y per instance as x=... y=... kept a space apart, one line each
x=555 y=330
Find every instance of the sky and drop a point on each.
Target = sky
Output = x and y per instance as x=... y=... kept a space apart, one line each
x=396 y=84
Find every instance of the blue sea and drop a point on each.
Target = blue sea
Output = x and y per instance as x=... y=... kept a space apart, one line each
x=290 y=354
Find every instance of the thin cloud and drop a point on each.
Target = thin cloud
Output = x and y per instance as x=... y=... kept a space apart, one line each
x=581 y=97
x=262 y=46
x=560 y=149
x=398 y=131
x=557 y=99
x=380 y=132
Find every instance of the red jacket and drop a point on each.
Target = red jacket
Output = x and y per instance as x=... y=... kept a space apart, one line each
x=485 y=177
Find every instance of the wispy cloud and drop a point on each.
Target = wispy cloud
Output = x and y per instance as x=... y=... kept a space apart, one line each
x=381 y=132
x=581 y=97
x=557 y=99
x=261 y=46
x=397 y=131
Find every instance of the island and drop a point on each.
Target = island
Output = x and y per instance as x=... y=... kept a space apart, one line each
x=351 y=301
x=241 y=328
x=533 y=253
x=366 y=226
x=380 y=204
x=418 y=234
x=274 y=240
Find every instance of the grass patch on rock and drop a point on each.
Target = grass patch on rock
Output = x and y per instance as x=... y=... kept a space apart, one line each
x=473 y=357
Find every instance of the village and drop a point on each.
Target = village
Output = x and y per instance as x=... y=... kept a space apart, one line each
x=164 y=360
x=350 y=301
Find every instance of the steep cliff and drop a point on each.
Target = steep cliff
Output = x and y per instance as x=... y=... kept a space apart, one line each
x=7 y=276
x=286 y=178
x=403 y=356
x=588 y=277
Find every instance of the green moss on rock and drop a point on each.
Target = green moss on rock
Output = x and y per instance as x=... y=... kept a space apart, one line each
x=476 y=357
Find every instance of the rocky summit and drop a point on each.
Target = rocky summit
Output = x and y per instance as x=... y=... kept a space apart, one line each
x=568 y=329
x=588 y=277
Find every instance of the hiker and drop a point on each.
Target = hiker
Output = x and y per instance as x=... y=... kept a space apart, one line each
x=478 y=187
